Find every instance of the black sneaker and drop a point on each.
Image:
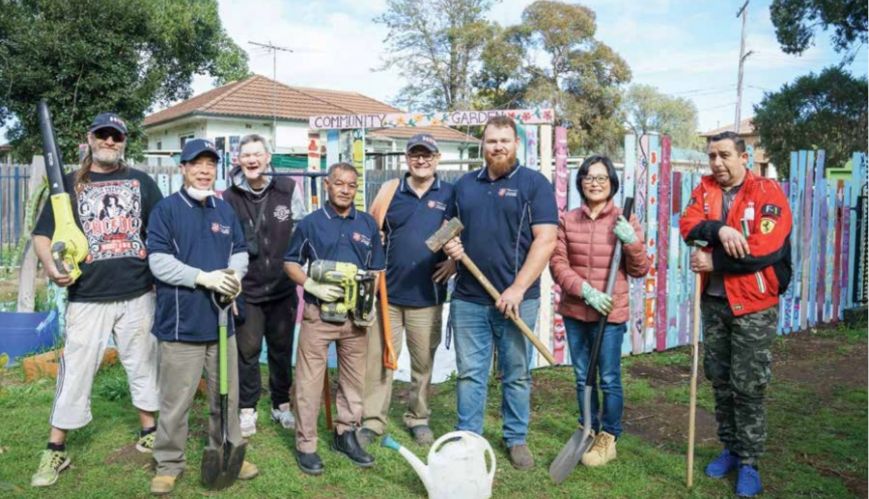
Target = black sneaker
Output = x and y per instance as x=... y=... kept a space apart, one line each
x=309 y=462
x=347 y=444
x=366 y=437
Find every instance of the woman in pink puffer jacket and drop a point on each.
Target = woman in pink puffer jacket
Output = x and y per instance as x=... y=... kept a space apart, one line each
x=586 y=238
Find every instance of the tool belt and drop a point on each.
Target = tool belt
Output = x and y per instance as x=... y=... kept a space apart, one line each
x=357 y=303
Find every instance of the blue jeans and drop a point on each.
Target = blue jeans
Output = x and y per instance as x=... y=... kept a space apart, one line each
x=580 y=337
x=478 y=329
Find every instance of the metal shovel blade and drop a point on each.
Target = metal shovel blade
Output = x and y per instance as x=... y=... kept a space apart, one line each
x=220 y=466
x=579 y=443
x=569 y=456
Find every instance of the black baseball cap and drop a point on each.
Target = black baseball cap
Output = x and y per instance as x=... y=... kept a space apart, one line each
x=193 y=148
x=108 y=120
x=422 y=140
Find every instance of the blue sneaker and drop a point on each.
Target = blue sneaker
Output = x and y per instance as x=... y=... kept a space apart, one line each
x=722 y=465
x=748 y=482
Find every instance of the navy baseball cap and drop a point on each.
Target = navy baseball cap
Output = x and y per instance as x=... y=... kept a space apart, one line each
x=108 y=120
x=423 y=140
x=193 y=148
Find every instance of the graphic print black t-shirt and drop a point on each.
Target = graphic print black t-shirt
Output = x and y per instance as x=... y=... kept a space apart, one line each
x=112 y=210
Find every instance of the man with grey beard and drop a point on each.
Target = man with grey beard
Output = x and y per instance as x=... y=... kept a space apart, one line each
x=113 y=296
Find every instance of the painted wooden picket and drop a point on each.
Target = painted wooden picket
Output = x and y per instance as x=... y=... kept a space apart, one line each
x=824 y=245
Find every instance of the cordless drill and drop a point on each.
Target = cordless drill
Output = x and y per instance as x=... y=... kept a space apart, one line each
x=358 y=285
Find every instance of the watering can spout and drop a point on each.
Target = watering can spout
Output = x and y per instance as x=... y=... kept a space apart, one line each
x=421 y=469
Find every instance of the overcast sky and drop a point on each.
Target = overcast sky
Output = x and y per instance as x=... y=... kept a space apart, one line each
x=687 y=48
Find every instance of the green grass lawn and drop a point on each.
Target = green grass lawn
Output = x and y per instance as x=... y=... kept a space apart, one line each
x=817 y=446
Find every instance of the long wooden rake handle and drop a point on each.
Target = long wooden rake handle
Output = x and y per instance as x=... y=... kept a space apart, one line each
x=692 y=408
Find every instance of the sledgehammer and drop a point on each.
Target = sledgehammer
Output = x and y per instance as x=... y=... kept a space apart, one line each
x=452 y=229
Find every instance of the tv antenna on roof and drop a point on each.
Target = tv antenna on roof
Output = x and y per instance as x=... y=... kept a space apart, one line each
x=274 y=50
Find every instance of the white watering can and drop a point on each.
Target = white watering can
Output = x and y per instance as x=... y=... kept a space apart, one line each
x=456 y=466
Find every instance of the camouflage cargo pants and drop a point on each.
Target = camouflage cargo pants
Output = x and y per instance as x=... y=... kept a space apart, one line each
x=737 y=359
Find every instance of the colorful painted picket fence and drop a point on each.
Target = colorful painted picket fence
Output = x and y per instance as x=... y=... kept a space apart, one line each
x=826 y=249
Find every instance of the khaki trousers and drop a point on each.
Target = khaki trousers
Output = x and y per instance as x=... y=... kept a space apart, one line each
x=423 y=326
x=181 y=366
x=311 y=357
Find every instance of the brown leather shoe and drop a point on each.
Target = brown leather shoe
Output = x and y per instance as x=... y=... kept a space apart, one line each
x=521 y=458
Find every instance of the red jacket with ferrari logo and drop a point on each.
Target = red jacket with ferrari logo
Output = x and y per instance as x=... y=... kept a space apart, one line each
x=761 y=213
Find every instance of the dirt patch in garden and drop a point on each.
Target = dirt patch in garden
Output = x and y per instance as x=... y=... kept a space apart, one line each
x=665 y=423
x=129 y=455
x=856 y=484
x=822 y=364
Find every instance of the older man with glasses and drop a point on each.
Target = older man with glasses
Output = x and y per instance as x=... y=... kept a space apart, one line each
x=409 y=210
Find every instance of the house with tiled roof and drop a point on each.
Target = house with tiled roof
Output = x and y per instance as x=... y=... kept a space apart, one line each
x=749 y=134
x=280 y=113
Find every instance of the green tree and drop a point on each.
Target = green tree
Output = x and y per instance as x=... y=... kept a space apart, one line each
x=648 y=110
x=435 y=45
x=87 y=56
x=579 y=76
x=827 y=111
x=795 y=23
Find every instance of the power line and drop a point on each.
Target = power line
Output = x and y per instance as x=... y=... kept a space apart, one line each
x=717 y=107
x=705 y=90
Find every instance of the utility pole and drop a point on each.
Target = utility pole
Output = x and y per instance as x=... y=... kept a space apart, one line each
x=743 y=11
x=274 y=50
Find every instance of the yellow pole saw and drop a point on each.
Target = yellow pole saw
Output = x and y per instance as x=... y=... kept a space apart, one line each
x=69 y=246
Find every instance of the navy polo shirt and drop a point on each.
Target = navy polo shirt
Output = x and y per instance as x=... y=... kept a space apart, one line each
x=498 y=216
x=203 y=236
x=324 y=235
x=410 y=220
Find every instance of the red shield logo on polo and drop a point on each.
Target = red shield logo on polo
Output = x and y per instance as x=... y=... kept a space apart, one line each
x=431 y=204
x=215 y=227
x=356 y=236
x=501 y=192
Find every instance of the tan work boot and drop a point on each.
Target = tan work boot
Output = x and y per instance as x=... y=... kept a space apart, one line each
x=521 y=458
x=162 y=484
x=602 y=451
x=248 y=470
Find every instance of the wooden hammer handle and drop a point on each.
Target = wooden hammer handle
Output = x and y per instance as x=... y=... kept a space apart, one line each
x=475 y=271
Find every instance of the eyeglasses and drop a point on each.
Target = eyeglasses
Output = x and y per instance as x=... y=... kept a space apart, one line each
x=105 y=133
x=600 y=179
x=420 y=157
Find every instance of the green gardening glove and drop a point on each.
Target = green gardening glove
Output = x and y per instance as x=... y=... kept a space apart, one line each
x=624 y=231
x=598 y=300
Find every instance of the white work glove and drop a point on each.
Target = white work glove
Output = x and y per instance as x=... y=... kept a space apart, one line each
x=223 y=281
x=326 y=292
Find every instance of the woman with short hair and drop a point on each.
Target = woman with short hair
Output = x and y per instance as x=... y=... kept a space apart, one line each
x=586 y=238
